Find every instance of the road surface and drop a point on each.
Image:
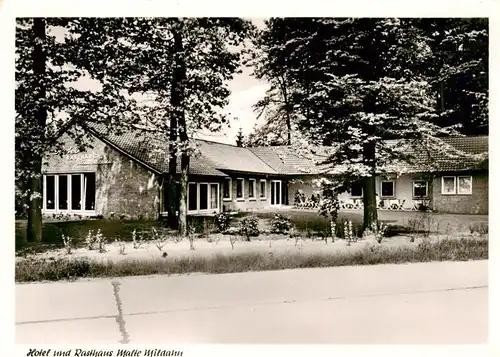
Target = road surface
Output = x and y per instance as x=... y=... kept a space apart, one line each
x=391 y=304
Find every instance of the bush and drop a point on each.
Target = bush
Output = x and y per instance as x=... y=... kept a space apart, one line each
x=481 y=228
x=249 y=227
x=281 y=223
x=222 y=220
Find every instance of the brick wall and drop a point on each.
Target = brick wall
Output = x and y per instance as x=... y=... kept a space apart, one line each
x=123 y=186
x=475 y=203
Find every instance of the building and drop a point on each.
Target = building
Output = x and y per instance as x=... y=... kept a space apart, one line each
x=122 y=176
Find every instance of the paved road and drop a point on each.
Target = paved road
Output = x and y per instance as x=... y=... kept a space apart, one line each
x=391 y=304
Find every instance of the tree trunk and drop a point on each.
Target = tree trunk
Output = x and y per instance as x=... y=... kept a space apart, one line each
x=369 y=197
x=178 y=83
x=170 y=186
x=288 y=109
x=34 y=228
x=183 y=195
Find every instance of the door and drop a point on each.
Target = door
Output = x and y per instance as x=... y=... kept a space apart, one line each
x=275 y=193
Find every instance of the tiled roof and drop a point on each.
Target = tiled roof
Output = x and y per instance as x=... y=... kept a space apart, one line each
x=285 y=160
x=148 y=148
x=215 y=159
x=449 y=158
x=234 y=158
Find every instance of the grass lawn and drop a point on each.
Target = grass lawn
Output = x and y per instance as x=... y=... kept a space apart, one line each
x=442 y=237
x=218 y=257
x=303 y=220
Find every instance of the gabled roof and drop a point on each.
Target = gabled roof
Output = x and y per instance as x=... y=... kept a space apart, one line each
x=149 y=149
x=152 y=150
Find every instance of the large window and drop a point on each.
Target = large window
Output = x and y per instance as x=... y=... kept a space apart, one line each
x=240 y=188
x=263 y=193
x=69 y=192
x=448 y=185
x=464 y=185
x=453 y=185
x=420 y=189
x=226 y=189
x=251 y=189
x=203 y=197
x=356 y=190
x=387 y=188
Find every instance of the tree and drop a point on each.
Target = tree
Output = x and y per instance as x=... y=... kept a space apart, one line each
x=458 y=69
x=182 y=65
x=270 y=133
x=355 y=83
x=276 y=107
x=46 y=70
x=240 y=138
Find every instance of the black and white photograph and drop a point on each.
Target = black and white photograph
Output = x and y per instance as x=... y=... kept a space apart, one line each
x=250 y=180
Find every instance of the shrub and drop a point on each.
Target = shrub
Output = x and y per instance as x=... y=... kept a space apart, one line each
x=249 y=227
x=90 y=240
x=281 y=223
x=377 y=230
x=136 y=240
x=100 y=240
x=481 y=228
x=121 y=245
x=191 y=231
x=68 y=243
x=348 y=232
x=333 y=230
x=159 y=239
x=96 y=239
x=299 y=197
x=222 y=220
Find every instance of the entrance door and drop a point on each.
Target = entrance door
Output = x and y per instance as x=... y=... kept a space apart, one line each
x=275 y=193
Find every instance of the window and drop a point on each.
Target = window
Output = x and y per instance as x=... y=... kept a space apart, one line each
x=70 y=192
x=76 y=192
x=387 y=188
x=203 y=196
x=63 y=192
x=251 y=189
x=420 y=188
x=226 y=189
x=214 y=196
x=275 y=192
x=448 y=185
x=50 y=192
x=356 y=190
x=263 y=189
x=89 y=191
x=464 y=185
x=192 y=197
x=240 y=186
